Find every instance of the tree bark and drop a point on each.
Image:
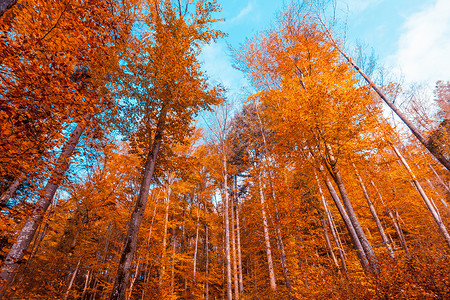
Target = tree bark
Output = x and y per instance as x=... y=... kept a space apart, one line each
x=351 y=230
x=72 y=279
x=10 y=191
x=123 y=272
x=327 y=240
x=170 y=178
x=86 y=284
x=233 y=247
x=196 y=245
x=437 y=193
x=446 y=186
x=334 y=172
x=18 y=250
x=227 y=225
x=279 y=236
x=331 y=224
x=238 y=236
x=273 y=284
x=398 y=229
x=374 y=215
x=134 y=279
x=427 y=201
x=5 y=5
x=206 y=262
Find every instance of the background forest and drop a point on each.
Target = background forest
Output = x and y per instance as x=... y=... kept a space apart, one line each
x=126 y=174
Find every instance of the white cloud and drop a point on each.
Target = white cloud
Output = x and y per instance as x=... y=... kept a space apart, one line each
x=423 y=53
x=245 y=11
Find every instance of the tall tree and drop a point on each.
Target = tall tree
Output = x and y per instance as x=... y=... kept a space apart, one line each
x=435 y=150
x=85 y=91
x=169 y=90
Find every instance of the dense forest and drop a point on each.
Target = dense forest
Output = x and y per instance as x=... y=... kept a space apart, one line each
x=126 y=174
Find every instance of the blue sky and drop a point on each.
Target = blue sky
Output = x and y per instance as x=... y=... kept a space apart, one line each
x=411 y=38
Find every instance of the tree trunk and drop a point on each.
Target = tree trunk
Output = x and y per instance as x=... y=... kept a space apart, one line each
x=238 y=235
x=170 y=177
x=18 y=250
x=437 y=193
x=146 y=273
x=227 y=226
x=398 y=230
x=433 y=150
x=334 y=172
x=72 y=279
x=134 y=279
x=172 y=266
x=351 y=230
x=206 y=262
x=233 y=247
x=327 y=240
x=196 y=246
x=280 y=243
x=5 y=5
x=374 y=214
x=10 y=191
x=446 y=186
x=86 y=284
x=427 y=201
x=273 y=284
x=279 y=237
x=331 y=224
x=123 y=272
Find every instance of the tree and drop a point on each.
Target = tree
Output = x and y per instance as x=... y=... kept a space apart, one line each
x=168 y=81
x=435 y=151
x=54 y=59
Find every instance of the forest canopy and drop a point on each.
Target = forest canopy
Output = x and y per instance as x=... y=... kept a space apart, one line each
x=125 y=173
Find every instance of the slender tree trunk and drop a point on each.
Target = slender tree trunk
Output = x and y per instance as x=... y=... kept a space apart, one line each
x=337 y=240
x=196 y=245
x=146 y=272
x=170 y=177
x=10 y=191
x=233 y=247
x=273 y=284
x=238 y=236
x=72 y=279
x=433 y=150
x=427 y=201
x=280 y=243
x=446 y=186
x=86 y=284
x=397 y=228
x=374 y=214
x=279 y=236
x=334 y=171
x=19 y=248
x=331 y=224
x=227 y=226
x=437 y=193
x=134 y=279
x=327 y=240
x=400 y=231
x=123 y=271
x=351 y=230
x=206 y=262
x=172 y=265
x=5 y=5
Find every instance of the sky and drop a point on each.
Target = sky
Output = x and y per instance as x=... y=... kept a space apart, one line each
x=410 y=38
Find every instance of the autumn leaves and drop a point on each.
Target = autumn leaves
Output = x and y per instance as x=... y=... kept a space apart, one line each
x=248 y=215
